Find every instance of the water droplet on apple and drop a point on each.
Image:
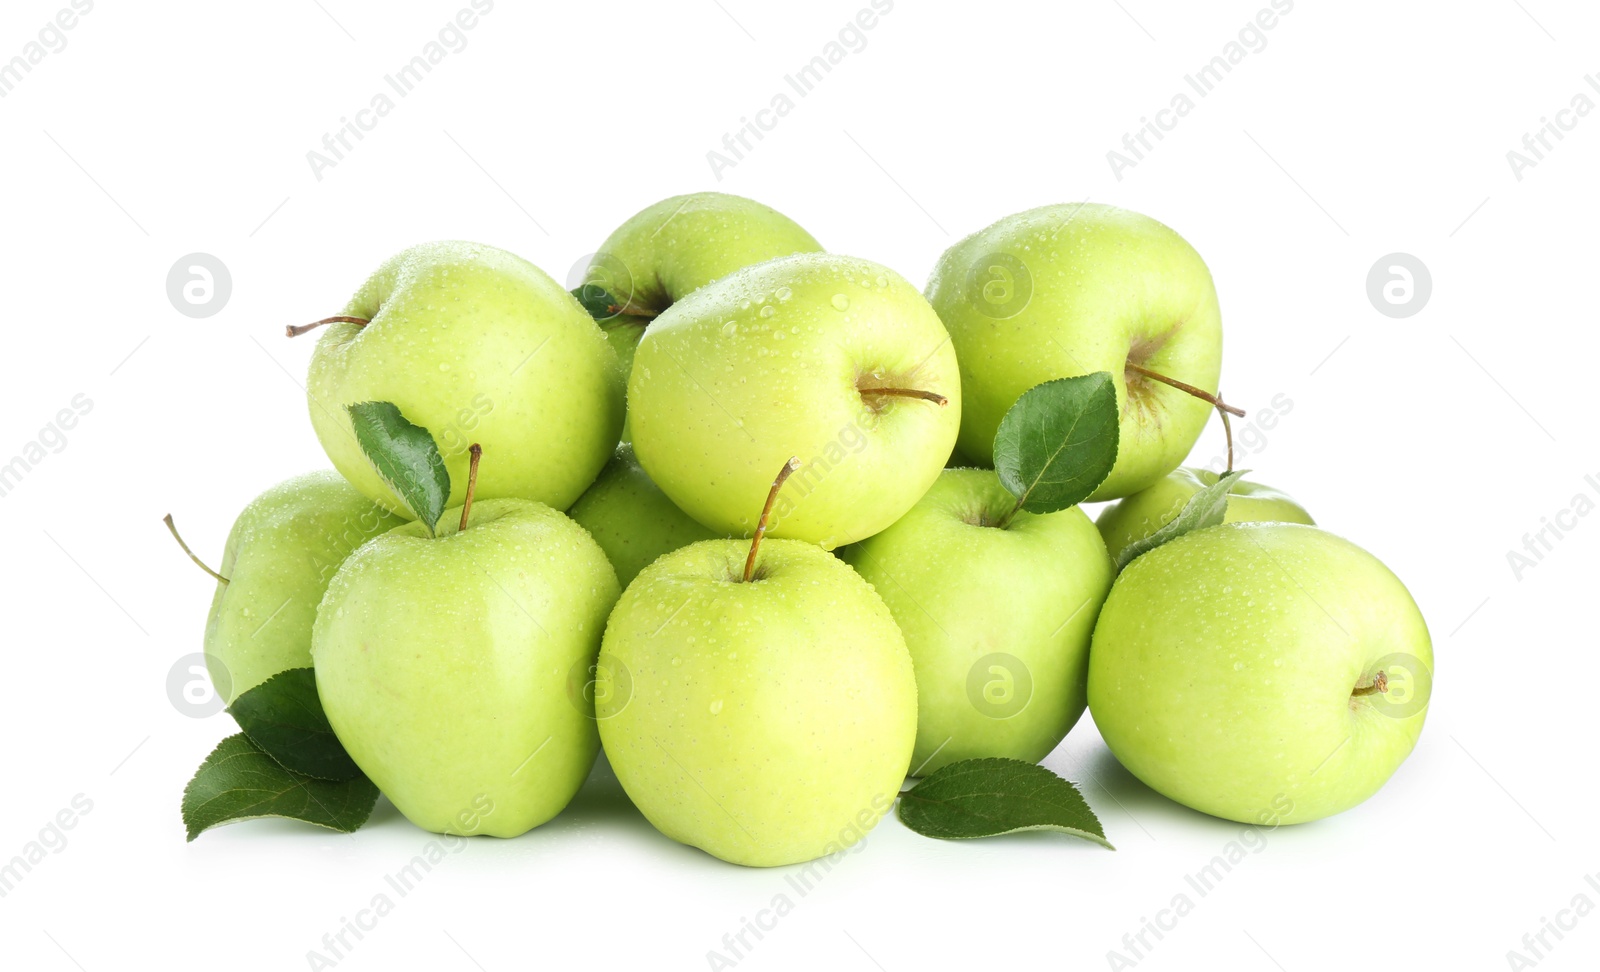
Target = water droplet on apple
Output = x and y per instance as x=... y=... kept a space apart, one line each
x=783 y=294
x=716 y=707
x=841 y=302
x=768 y=311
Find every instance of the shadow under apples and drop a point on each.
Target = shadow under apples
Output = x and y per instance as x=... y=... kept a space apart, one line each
x=601 y=800
x=1116 y=795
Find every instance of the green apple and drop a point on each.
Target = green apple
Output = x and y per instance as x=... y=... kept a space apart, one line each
x=1138 y=516
x=281 y=553
x=1255 y=670
x=757 y=701
x=997 y=620
x=767 y=722
x=1073 y=289
x=833 y=359
x=666 y=251
x=632 y=519
x=445 y=664
x=476 y=345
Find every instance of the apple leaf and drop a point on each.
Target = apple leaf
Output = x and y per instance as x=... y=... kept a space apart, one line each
x=240 y=782
x=283 y=716
x=596 y=300
x=1058 y=442
x=406 y=456
x=1204 y=509
x=989 y=797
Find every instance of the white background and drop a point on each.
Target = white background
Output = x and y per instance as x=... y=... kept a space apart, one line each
x=1436 y=441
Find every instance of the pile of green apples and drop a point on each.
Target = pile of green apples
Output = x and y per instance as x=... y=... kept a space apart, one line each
x=778 y=530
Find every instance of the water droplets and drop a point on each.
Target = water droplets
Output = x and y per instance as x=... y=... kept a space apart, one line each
x=840 y=302
x=716 y=707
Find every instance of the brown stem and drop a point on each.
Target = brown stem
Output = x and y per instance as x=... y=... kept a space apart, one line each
x=1184 y=386
x=472 y=483
x=766 y=513
x=1227 y=427
x=926 y=396
x=295 y=330
x=202 y=564
x=1380 y=685
x=628 y=310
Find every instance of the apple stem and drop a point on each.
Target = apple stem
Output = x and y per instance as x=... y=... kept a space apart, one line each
x=472 y=483
x=1227 y=428
x=628 y=310
x=766 y=513
x=295 y=330
x=200 y=563
x=1380 y=685
x=1184 y=386
x=926 y=396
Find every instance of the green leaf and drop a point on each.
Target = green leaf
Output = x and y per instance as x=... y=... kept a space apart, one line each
x=1204 y=509
x=406 y=456
x=283 y=716
x=594 y=298
x=988 y=797
x=240 y=782
x=1058 y=442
